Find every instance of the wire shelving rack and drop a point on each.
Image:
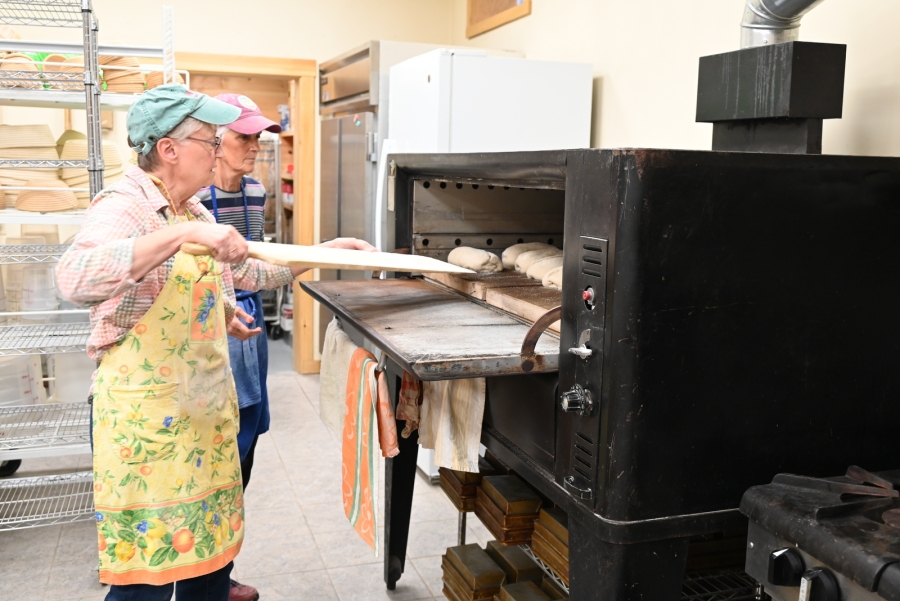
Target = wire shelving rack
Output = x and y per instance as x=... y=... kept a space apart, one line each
x=24 y=254
x=44 y=430
x=55 y=429
x=44 y=338
x=46 y=500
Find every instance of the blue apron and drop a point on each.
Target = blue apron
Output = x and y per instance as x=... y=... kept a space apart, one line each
x=249 y=358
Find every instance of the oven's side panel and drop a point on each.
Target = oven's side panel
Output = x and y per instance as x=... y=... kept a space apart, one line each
x=759 y=322
x=593 y=186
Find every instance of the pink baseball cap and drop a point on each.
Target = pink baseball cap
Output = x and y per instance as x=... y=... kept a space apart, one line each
x=251 y=120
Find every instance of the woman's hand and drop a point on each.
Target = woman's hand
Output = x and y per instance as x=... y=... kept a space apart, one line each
x=349 y=244
x=225 y=243
x=237 y=328
x=152 y=250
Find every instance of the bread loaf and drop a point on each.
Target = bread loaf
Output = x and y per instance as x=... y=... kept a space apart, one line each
x=512 y=252
x=553 y=278
x=475 y=259
x=539 y=268
x=524 y=261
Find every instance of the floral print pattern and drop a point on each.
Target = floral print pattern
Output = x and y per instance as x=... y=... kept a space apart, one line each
x=167 y=479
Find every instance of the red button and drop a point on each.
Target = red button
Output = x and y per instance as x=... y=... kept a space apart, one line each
x=587 y=295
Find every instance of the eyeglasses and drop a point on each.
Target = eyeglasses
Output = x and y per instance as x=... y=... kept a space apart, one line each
x=214 y=143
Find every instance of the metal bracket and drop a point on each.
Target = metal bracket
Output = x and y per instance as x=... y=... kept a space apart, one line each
x=534 y=333
x=581 y=493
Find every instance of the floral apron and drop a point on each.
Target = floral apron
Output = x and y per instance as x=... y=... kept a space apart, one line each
x=167 y=476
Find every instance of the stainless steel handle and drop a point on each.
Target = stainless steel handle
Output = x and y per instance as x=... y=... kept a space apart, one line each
x=582 y=351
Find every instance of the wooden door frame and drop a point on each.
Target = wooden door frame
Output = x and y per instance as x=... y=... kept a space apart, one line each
x=303 y=75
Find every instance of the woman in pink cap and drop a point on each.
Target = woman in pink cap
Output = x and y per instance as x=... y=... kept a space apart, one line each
x=238 y=200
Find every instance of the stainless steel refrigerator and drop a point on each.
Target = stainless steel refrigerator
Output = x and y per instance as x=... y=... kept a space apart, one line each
x=348 y=176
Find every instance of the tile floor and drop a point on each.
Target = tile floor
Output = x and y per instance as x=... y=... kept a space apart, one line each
x=299 y=546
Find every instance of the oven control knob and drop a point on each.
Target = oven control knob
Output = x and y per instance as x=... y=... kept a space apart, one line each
x=577 y=400
x=818 y=584
x=785 y=567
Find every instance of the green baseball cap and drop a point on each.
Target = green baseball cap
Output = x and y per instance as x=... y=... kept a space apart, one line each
x=160 y=110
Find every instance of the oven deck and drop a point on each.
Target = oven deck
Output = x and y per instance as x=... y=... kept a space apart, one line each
x=435 y=333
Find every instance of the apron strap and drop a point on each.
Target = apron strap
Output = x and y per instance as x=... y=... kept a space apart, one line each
x=215 y=203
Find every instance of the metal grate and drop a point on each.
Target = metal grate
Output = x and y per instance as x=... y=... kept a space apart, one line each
x=44 y=339
x=44 y=430
x=12 y=254
x=46 y=500
x=547 y=569
x=42 y=80
x=48 y=13
x=731 y=584
x=40 y=164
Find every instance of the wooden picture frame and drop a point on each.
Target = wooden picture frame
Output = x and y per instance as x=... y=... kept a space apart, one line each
x=484 y=15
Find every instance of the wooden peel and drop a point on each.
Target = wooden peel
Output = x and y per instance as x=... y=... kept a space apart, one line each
x=290 y=255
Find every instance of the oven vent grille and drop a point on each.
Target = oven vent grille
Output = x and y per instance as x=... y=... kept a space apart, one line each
x=593 y=264
x=584 y=454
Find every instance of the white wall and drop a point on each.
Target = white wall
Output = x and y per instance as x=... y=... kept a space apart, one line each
x=645 y=55
x=313 y=29
x=306 y=29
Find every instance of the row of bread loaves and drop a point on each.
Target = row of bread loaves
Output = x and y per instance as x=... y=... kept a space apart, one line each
x=536 y=260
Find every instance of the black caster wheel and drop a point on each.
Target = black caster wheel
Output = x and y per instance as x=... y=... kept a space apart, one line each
x=277 y=332
x=8 y=468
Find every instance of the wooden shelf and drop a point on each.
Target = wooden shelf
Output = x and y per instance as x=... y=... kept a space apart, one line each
x=287 y=134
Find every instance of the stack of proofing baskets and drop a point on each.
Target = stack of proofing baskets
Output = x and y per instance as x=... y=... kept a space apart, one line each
x=36 y=142
x=550 y=542
x=508 y=508
x=121 y=74
x=498 y=573
x=461 y=487
x=27 y=143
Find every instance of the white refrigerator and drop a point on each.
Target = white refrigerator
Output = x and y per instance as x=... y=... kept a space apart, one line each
x=452 y=100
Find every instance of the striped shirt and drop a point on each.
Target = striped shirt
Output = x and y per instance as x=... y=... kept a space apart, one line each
x=96 y=270
x=231 y=208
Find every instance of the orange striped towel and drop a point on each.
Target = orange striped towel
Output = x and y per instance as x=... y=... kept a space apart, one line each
x=368 y=408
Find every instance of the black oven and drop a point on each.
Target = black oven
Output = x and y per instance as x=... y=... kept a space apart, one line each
x=725 y=317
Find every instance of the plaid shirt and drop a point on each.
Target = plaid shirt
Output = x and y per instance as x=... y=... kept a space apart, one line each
x=96 y=270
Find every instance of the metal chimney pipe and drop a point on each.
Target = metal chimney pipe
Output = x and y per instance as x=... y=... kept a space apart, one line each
x=773 y=21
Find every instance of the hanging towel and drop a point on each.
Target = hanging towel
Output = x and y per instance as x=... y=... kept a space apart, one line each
x=368 y=407
x=336 y=354
x=387 y=422
x=451 y=415
x=409 y=403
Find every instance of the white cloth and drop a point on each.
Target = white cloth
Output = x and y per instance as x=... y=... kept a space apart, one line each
x=336 y=354
x=450 y=422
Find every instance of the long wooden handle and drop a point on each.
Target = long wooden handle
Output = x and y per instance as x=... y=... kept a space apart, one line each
x=192 y=248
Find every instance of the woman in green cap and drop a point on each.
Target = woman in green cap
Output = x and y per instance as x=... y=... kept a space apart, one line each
x=167 y=478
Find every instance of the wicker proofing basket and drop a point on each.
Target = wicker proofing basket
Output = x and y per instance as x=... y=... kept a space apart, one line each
x=155 y=79
x=77 y=150
x=45 y=201
x=29 y=154
x=69 y=134
x=26 y=136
